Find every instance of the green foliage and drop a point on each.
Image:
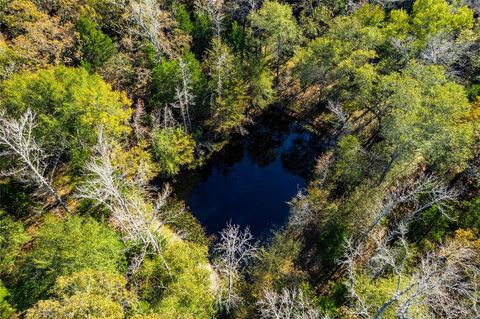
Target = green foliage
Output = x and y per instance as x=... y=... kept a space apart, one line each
x=15 y=198
x=173 y=148
x=331 y=244
x=202 y=32
x=470 y=215
x=236 y=37
x=183 y=18
x=341 y=63
x=275 y=265
x=351 y=161
x=473 y=91
x=403 y=78
x=12 y=239
x=370 y=15
x=278 y=28
x=227 y=88
x=63 y=247
x=430 y=17
x=376 y=292
x=185 y=289
x=166 y=78
x=6 y=310
x=86 y=294
x=9 y=60
x=431 y=227
x=134 y=163
x=71 y=104
x=260 y=80
x=184 y=222
x=428 y=118
x=97 y=48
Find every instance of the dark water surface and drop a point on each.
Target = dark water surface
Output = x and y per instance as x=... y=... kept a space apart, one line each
x=252 y=180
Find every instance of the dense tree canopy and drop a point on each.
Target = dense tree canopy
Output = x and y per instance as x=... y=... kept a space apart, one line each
x=63 y=247
x=71 y=104
x=112 y=110
x=87 y=294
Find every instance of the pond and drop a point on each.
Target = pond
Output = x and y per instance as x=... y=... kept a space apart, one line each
x=252 y=180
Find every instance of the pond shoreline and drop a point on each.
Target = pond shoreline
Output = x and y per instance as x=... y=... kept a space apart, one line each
x=270 y=165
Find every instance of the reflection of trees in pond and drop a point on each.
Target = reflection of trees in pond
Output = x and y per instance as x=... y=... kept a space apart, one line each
x=263 y=142
x=298 y=158
x=262 y=148
x=231 y=155
x=224 y=160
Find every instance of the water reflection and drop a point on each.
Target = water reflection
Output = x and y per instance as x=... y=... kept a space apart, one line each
x=252 y=180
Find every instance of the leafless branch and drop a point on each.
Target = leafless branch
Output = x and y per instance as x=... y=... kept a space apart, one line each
x=445 y=282
x=126 y=201
x=184 y=97
x=423 y=193
x=155 y=25
x=215 y=9
x=302 y=213
x=16 y=136
x=234 y=251
x=288 y=304
x=342 y=118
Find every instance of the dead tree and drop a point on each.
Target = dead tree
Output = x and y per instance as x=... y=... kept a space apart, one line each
x=472 y=4
x=139 y=129
x=184 y=97
x=445 y=281
x=418 y=195
x=239 y=9
x=127 y=202
x=220 y=63
x=342 y=119
x=423 y=193
x=288 y=304
x=234 y=251
x=155 y=24
x=20 y=147
x=215 y=9
x=302 y=213
x=389 y=4
x=444 y=49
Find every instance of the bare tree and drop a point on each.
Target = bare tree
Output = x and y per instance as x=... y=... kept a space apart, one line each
x=126 y=200
x=402 y=47
x=322 y=167
x=234 y=249
x=384 y=257
x=444 y=49
x=424 y=192
x=155 y=24
x=341 y=117
x=16 y=136
x=164 y=118
x=138 y=127
x=444 y=284
x=352 y=5
x=302 y=213
x=220 y=71
x=184 y=97
x=239 y=9
x=472 y=4
x=416 y=196
x=215 y=10
x=288 y=304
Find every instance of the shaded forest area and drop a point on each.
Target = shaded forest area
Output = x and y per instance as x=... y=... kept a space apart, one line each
x=103 y=103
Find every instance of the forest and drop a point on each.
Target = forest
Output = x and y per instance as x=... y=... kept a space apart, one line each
x=109 y=107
